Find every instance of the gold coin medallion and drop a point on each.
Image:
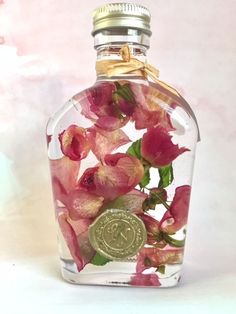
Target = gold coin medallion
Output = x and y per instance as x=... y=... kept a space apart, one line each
x=117 y=234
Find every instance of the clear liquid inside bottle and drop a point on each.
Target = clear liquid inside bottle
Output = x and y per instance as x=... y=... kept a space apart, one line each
x=124 y=144
x=182 y=127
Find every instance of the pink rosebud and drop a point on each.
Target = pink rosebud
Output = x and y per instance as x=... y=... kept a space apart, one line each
x=158 y=149
x=74 y=143
x=154 y=257
x=176 y=217
x=156 y=196
x=124 y=98
x=87 y=179
x=153 y=231
x=151 y=224
x=145 y=280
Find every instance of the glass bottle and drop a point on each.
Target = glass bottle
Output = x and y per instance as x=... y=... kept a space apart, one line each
x=121 y=157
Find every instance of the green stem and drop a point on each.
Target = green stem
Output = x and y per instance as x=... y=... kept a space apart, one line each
x=163 y=202
x=173 y=242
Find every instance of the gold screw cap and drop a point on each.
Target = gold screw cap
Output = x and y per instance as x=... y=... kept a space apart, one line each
x=121 y=15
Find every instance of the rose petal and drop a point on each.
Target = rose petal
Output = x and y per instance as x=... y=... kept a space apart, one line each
x=176 y=217
x=110 y=182
x=76 y=236
x=98 y=106
x=82 y=204
x=71 y=240
x=64 y=174
x=120 y=175
x=145 y=280
x=130 y=165
x=79 y=226
x=103 y=142
x=74 y=143
x=131 y=201
x=84 y=104
x=149 y=112
x=154 y=257
x=110 y=123
x=86 y=249
x=158 y=149
x=100 y=98
x=49 y=138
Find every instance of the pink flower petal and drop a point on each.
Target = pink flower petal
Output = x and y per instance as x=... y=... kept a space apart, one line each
x=82 y=204
x=111 y=182
x=98 y=105
x=49 y=138
x=64 y=174
x=176 y=217
x=83 y=102
x=76 y=236
x=148 y=112
x=74 y=143
x=100 y=98
x=158 y=149
x=110 y=123
x=79 y=226
x=71 y=240
x=103 y=142
x=130 y=165
x=126 y=107
x=131 y=201
x=120 y=175
x=86 y=249
x=145 y=118
x=154 y=257
x=145 y=280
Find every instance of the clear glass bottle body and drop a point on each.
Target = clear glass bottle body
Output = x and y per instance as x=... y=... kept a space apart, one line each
x=124 y=144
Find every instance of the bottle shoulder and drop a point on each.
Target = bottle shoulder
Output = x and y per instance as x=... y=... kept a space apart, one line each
x=111 y=102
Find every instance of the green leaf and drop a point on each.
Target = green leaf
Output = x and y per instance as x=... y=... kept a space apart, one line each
x=146 y=177
x=161 y=269
x=166 y=176
x=125 y=92
x=99 y=260
x=135 y=149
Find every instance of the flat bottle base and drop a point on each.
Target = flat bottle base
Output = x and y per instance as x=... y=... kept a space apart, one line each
x=119 y=276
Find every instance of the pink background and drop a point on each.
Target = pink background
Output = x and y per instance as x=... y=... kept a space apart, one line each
x=46 y=56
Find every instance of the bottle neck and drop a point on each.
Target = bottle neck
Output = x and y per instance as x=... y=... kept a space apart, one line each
x=109 y=43
x=112 y=53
